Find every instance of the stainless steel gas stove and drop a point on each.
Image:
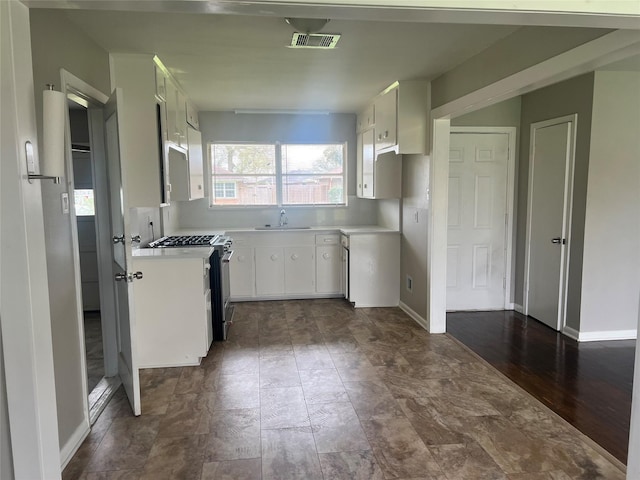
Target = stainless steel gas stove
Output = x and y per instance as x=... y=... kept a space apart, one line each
x=180 y=241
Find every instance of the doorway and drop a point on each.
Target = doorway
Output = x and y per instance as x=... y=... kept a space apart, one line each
x=480 y=218
x=91 y=235
x=85 y=212
x=549 y=219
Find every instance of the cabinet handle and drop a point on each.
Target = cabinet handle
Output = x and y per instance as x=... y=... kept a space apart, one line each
x=365 y=185
x=328 y=240
x=274 y=257
x=241 y=258
x=379 y=136
x=294 y=256
x=326 y=256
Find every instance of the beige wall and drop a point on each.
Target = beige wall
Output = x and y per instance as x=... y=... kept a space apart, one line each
x=56 y=44
x=415 y=182
x=565 y=98
x=522 y=49
x=6 y=460
x=610 y=273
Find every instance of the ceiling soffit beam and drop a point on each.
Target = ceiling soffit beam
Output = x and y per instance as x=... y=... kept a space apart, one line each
x=625 y=15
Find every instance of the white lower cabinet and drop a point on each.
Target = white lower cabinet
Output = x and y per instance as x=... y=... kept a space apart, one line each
x=329 y=269
x=269 y=271
x=299 y=270
x=242 y=272
x=173 y=311
x=374 y=269
x=285 y=265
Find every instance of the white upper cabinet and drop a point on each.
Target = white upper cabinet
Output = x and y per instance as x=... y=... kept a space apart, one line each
x=386 y=106
x=161 y=84
x=401 y=117
x=139 y=149
x=176 y=115
x=379 y=175
x=366 y=119
x=186 y=169
x=192 y=116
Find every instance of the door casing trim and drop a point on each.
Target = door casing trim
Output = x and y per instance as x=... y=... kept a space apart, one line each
x=566 y=215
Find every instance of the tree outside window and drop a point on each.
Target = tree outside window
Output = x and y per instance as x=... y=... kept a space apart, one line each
x=274 y=174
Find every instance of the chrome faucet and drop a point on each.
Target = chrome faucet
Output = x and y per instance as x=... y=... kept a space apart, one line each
x=283 y=220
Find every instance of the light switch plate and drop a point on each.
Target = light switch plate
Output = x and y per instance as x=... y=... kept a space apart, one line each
x=64 y=199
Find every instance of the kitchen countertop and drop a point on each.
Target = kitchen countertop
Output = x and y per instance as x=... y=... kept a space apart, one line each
x=347 y=230
x=205 y=252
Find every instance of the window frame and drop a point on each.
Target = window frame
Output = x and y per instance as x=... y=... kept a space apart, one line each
x=279 y=177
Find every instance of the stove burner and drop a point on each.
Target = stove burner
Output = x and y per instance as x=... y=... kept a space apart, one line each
x=175 y=241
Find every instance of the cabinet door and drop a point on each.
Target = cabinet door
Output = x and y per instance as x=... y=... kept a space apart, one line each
x=196 y=172
x=386 y=107
x=368 y=163
x=269 y=270
x=172 y=112
x=242 y=272
x=299 y=269
x=161 y=88
x=181 y=119
x=359 y=192
x=328 y=268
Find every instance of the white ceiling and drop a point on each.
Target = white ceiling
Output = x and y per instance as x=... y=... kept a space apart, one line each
x=229 y=62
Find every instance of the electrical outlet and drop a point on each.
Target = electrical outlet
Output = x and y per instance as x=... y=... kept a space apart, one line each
x=409 y=283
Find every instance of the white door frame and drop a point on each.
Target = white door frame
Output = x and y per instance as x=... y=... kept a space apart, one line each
x=88 y=96
x=566 y=215
x=509 y=233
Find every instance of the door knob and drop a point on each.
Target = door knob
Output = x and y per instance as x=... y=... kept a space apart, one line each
x=120 y=277
x=118 y=239
x=558 y=240
x=136 y=276
x=135 y=238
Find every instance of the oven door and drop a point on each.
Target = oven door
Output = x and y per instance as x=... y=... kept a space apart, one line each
x=226 y=291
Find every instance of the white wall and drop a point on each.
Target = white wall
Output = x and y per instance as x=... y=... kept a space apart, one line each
x=56 y=43
x=26 y=328
x=6 y=461
x=611 y=258
x=230 y=127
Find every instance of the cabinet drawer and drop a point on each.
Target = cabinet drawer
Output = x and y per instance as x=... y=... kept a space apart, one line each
x=330 y=239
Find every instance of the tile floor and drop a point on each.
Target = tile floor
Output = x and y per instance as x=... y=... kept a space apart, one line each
x=317 y=390
x=93 y=347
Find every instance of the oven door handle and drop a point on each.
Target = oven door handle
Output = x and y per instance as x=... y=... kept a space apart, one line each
x=227 y=257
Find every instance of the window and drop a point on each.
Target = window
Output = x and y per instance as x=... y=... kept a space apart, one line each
x=225 y=189
x=83 y=200
x=250 y=168
x=275 y=174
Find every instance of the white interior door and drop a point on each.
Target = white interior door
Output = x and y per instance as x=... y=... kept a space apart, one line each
x=122 y=257
x=548 y=217
x=476 y=236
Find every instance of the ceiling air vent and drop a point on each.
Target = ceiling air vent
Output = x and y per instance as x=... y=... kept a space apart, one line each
x=314 y=40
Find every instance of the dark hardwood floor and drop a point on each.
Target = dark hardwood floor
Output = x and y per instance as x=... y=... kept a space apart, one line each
x=588 y=384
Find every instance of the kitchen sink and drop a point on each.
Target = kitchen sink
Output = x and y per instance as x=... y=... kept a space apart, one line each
x=284 y=227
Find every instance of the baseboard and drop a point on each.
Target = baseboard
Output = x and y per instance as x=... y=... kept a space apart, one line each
x=607 y=335
x=518 y=308
x=73 y=444
x=571 y=333
x=509 y=306
x=413 y=314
